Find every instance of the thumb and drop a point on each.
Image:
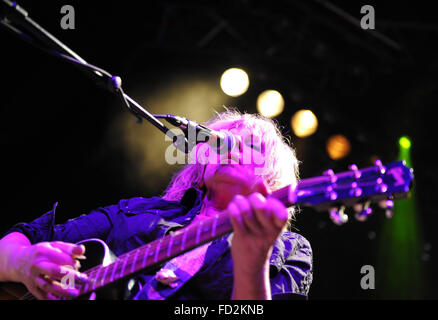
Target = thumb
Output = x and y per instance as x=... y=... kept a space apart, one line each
x=261 y=187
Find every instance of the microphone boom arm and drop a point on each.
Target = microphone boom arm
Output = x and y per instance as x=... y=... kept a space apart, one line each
x=51 y=45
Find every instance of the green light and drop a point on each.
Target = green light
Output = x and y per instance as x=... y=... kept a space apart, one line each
x=404 y=142
x=401 y=245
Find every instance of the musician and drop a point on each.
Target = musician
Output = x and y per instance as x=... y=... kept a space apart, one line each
x=261 y=259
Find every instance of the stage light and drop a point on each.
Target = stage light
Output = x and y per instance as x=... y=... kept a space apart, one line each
x=404 y=142
x=304 y=123
x=338 y=147
x=270 y=103
x=401 y=240
x=234 y=82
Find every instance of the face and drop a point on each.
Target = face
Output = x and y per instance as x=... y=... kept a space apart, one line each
x=236 y=172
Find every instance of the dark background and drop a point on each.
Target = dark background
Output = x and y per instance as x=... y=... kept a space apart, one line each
x=58 y=141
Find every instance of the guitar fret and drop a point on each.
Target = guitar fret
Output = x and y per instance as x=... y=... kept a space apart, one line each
x=183 y=242
x=158 y=250
x=102 y=282
x=169 y=248
x=85 y=288
x=133 y=262
x=114 y=270
x=177 y=238
x=213 y=229
x=198 y=231
x=145 y=256
x=96 y=278
x=122 y=272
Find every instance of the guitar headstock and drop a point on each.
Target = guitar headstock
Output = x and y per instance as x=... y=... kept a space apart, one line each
x=356 y=188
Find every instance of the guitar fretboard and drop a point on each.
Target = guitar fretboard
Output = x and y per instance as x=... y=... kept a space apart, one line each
x=155 y=252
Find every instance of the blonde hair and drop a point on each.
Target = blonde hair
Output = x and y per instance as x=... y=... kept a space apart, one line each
x=281 y=164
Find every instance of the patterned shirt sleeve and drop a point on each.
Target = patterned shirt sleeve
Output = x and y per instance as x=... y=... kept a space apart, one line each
x=291 y=267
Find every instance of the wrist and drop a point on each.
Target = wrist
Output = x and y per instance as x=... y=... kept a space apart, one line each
x=252 y=284
x=16 y=263
x=250 y=261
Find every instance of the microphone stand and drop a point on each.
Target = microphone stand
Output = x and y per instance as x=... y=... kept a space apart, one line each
x=15 y=17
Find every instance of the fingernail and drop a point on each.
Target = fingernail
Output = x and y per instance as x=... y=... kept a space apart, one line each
x=78 y=250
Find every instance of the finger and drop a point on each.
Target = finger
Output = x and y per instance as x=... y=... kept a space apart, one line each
x=279 y=212
x=262 y=212
x=236 y=218
x=55 y=288
x=71 y=249
x=58 y=272
x=247 y=214
x=39 y=293
x=166 y=274
x=56 y=255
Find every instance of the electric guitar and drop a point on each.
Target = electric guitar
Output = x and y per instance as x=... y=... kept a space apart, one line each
x=330 y=192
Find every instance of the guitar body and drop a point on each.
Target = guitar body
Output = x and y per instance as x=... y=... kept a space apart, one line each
x=97 y=253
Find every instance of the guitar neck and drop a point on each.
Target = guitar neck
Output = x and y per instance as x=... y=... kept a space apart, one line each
x=371 y=184
x=164 y=249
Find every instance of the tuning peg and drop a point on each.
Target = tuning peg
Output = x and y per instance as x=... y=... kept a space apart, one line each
x=338 y=216
x=389 y=212
x=363 y=214
x=331 y=194
x=356 y=172
x=331 y=174
x=355 y=191
x=380 y=186
x=388 y=205
x=380 y=166
x=358 y=207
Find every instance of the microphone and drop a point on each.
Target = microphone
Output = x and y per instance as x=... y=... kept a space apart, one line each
x=224 y=141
